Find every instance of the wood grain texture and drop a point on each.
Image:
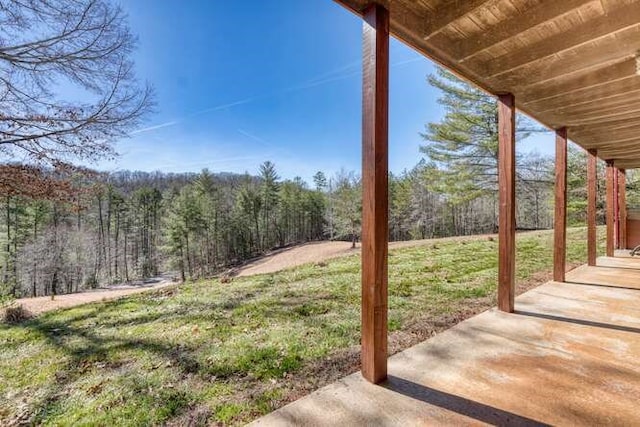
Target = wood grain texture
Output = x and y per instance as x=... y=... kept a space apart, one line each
x=616 y=209
x=375 y=228
x=560 y=211
x=618 y=139
x=610 y=173
x=592 y=194
x=543 y=12
x=569 y=63
x=447 y=13
x=589 y=31
x=589 y=94
x=507 y=196
x=619 y=149
x=627 y=164
x=583 y=83
x=633 y=233
x=622 y=209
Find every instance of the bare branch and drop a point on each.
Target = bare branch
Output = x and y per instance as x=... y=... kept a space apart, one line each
x=51 y=44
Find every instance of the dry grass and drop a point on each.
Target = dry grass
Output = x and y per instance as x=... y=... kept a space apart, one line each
x=15 y=313
x=207 y=353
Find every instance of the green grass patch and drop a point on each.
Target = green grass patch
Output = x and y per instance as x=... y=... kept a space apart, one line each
x=229 y=348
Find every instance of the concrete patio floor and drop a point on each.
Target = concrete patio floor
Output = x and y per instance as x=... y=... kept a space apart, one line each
x=570 y=355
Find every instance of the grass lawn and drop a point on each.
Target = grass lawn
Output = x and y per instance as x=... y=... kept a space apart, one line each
x=208 y=353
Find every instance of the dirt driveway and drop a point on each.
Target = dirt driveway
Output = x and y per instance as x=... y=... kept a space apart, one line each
x=321 y=251
x=270 y=263
x=40 y=305
x=297 y=255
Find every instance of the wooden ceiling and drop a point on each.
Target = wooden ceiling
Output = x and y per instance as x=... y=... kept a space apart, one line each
x=569 y=63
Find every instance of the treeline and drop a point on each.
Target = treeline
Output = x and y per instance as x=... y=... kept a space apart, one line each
x=66 y=229
x=215 y=221
x=80 y=231
x=65 y=234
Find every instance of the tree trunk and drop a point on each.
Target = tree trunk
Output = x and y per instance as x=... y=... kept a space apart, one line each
x=186 y=240
x=8 y=245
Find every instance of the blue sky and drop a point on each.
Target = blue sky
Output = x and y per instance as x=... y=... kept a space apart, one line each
x=239 y=83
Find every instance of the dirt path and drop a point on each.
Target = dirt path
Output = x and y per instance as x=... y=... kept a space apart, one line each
x=275 y=261
x=41 y=305
x=297 y=255
x=322 y=251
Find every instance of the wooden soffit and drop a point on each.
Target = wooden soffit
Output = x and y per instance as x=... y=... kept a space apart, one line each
x=569 y=63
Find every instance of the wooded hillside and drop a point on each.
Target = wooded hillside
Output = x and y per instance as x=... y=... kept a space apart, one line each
x=65 y=233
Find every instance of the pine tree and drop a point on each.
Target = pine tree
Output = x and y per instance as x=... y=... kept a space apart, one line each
x=320 y=181
x=208 y=194
x=464 y=144
x=400 y=188
x=269 y=199
x=250 y=209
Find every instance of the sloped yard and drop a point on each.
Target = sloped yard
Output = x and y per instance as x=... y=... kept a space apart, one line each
x=209 y=352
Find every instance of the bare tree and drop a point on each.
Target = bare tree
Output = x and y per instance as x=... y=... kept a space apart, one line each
x=82 y=47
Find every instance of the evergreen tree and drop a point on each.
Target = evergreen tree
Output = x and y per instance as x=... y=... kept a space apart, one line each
x=269 y=199
x=400 y=189
x=347 y=200
x=250 y=205
x=208 y=195
x=320 y=181
x=464 y=144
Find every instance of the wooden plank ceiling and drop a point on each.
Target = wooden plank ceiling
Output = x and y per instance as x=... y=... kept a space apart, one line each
x=569 y=63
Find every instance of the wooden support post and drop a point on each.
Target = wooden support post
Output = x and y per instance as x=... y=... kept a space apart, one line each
x=622 y=209
x=592 y=193
x=610 y=208
x=375 y=227
x=560 y=221
x=616 y=210
x=507 y=194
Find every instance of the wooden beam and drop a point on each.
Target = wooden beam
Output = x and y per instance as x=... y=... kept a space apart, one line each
x=606 y=114
x=581 y=82
x=507 y=195
x=583 y=58
x=622 y=209
x=588 y=95
x=447 y=13
x=539 y=14
x=411 y=25
x=618 y=100
x=626 y=150
x=630 y=151
x=606 y=117
x=619 y=140
x=607 y=127
x=616 y=208
x=560 y=221
x=599 y=135
x=575 y=61
x=375 y=228
x=608 y=109
x=607 y=28
x=624 y=147
x=610 y=208
x=628 y=147
x=627 y=164
x=592 y=194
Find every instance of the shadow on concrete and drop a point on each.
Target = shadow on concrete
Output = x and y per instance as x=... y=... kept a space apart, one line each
x=460 y=405
x=579 y=321
x=615 y=267
x=602 y=285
